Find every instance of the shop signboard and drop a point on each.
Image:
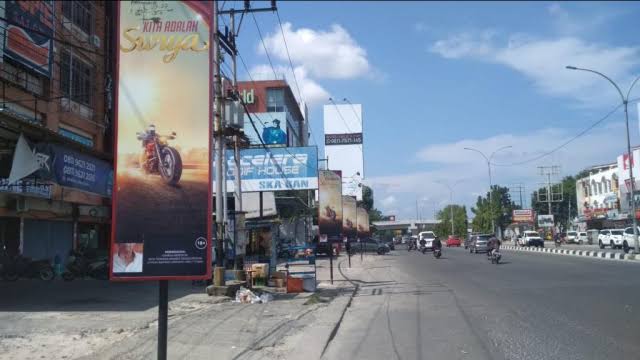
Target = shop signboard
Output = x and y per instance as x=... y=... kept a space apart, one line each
x=522 y=216
x=545 y=221
x=29 y=187
x=274 y=169
x=28 y=37
x=329 y=203
x=161 y=222
x=362 y=222
x=349 y=216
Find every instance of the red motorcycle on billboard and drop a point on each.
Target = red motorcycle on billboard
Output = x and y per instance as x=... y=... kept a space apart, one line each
x=158 y=157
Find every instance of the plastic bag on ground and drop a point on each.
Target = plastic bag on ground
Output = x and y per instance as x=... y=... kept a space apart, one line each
x=266 y=297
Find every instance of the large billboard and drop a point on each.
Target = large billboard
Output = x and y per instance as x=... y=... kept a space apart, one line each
x=276 y=169
x=624 y=182
x=162 y=194
x=362 y=222
x=344 y=145
x=330 y=203
x=545 y=221
x=349 y=216
x=271 y=126
x=29 y=33
x=522 y=216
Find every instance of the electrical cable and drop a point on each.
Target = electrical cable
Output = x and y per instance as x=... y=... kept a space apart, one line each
x=264 y=46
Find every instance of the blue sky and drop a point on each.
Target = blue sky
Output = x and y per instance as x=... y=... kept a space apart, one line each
x=434 y=78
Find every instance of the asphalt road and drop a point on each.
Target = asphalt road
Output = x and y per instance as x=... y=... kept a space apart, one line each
x=533 y=306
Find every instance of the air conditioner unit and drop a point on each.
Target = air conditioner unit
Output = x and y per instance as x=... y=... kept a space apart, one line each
x=95 y=41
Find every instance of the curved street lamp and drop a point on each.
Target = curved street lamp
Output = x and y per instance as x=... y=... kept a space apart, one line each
x=488 y=159
x=625 y=102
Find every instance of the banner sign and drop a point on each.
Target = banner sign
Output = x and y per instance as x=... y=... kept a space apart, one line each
x=272 y=128
x=545 y=221
x=161 y=223
x=522 y=216
x=343 y=139
x=29 y=187
x=330 y=203
x=349 y=216
x=29 y=33
x=75 y=170
x=251 y=203
x=279 y=169
x=362 y=222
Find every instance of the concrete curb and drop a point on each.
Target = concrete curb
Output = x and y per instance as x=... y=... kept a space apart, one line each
x=604 y=255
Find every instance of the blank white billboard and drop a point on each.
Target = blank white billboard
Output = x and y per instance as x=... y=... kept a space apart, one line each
x=344 y=145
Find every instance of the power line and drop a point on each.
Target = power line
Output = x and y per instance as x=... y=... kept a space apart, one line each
x=580 y=134
x=289 y=56
x=264 y=46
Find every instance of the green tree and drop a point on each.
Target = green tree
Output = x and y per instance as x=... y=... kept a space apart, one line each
x=560 y=210
x=367 y=203
x=499 y=209
x=460 y=222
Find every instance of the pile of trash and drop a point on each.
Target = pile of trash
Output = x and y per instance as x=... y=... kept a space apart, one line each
x=246 y=296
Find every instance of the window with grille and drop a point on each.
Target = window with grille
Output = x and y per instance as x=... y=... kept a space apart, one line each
x=275 y=100
x=76 y=80
x=22 y=78
x=80 y=14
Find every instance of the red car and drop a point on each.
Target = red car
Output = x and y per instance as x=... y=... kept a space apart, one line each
x=453 y=241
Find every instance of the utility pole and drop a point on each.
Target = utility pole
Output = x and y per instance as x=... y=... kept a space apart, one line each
x=214 y=51
x=517 y=191
x=236 y=142
x=551 y=195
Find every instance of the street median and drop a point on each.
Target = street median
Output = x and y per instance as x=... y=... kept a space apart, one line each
x=604 y=255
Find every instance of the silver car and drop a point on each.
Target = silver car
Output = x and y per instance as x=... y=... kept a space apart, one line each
x=479 y=243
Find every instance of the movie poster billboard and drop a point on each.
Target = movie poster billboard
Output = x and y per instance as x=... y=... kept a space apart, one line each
x=362 y=222
x=162 y=194
x=271 y=126
x=349 y=216
x=28 y=33
x=330 y=203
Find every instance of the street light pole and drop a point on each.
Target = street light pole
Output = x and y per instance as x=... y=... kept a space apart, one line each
x=625 y=102
x=488 y=159
x=450 y=187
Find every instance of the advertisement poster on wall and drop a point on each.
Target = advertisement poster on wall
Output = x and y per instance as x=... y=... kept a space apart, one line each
x=272 y=128
x=362 y=222
x=278 y=169
x=330 y=203
x=349 y=216
x=162 y=198
x=29 y=33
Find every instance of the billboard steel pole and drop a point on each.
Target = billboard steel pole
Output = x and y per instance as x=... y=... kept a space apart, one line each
x=217 y=98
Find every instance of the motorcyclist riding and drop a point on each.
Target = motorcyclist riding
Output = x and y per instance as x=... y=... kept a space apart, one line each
x=437 y=244
x=493 y=244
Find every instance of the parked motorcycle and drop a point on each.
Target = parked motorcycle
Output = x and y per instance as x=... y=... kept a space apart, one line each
x=437 y=253
x=19 y=266
x=159 y=157
x=81 y=264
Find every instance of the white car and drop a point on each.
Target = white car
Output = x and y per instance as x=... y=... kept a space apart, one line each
x=611 y=237
x=629 y=240
x=577 y=237
x=428 y=236
x=531 y=238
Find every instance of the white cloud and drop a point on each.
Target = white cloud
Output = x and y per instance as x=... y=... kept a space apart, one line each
x=312 y=92
x=544 y=61
x=388 y=201
x=450 y=162
x=329 y=53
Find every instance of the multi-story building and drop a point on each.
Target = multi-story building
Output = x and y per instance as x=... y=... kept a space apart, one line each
x=597 y=194
x=55 y=78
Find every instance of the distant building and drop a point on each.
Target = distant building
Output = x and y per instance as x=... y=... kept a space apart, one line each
x=598 y=196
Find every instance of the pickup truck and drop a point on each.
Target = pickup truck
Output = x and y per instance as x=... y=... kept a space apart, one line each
x=531 y=238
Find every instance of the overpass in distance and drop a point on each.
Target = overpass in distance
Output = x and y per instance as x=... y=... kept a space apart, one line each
x=411 y=225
